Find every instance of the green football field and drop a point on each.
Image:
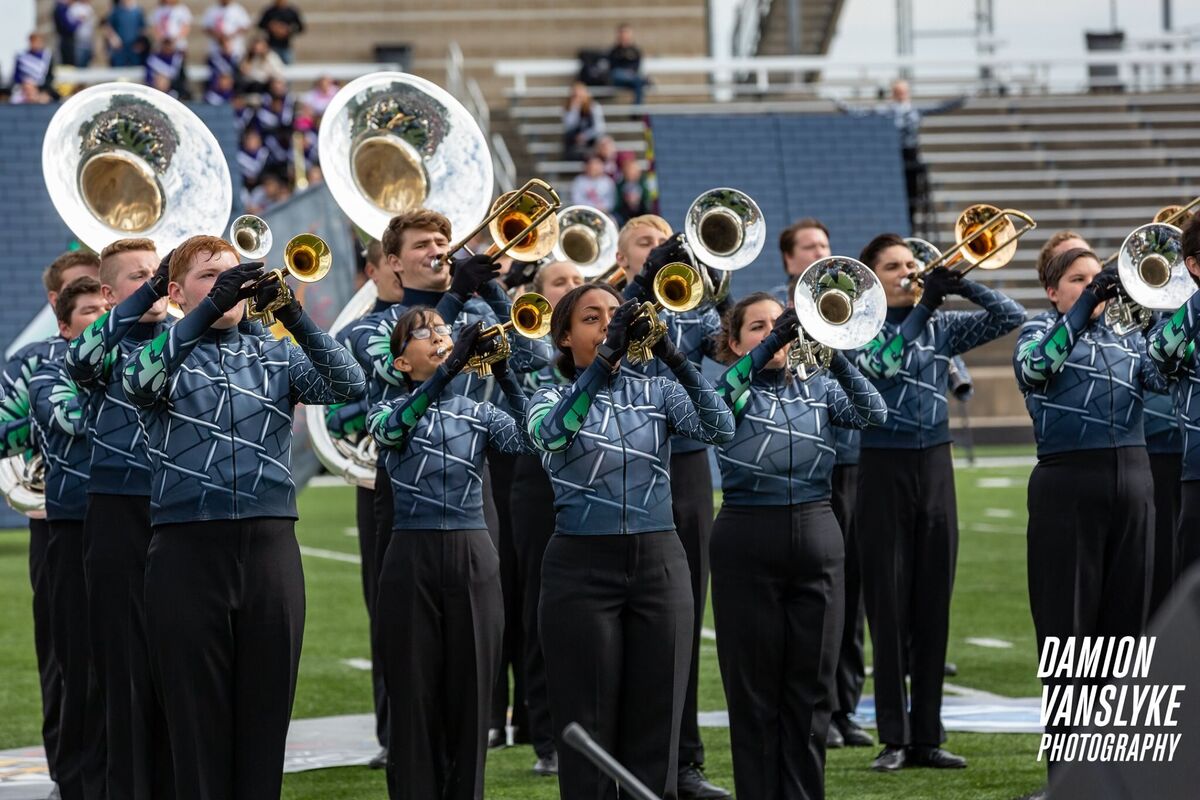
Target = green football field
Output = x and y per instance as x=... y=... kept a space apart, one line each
x=990 y=601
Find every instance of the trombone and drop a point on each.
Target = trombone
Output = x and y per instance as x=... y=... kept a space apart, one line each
x=840 y=305
x=530 y=317
x=984 y=237
x=520 y=221
x=678 y=287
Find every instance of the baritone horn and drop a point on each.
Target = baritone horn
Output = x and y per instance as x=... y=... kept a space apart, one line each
x=985 y=237
x=723 y=229
x=840 y=305
x=678 y=287
x=529 y=317
x=1150 y=265
x=587 y=238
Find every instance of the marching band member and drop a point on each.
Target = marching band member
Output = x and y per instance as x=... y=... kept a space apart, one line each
x=14 y=406
x=440 y=582
x=907 y=520
x=1172 y=346
x=778 y=550
x=1091 y=504
x=645 y=245
x=57 y=406
x=116 y=527
x=224 y=586
x=532 y=527
x=800 y=244
x=616 y=605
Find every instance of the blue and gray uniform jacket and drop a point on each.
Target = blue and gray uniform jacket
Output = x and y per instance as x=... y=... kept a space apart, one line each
x=694 y=334
x=439 y=441
x=58 y=414
x=1083 y=384
x=783 y=450
x=120 y=460
x=14 y=392
x=1164 y=427
x=218 y=413
x=908 y=363
x=1172 y=347
x=606 y=443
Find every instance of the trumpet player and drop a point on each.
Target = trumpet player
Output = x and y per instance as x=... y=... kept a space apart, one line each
x=778 y=550
x=117 y=527
x=224 y=588
x=440 y=582
x=1172 y=346
x=644 y=246
x=14 y=406
x=907 y=520
x=1091 y=503
x=616 y=605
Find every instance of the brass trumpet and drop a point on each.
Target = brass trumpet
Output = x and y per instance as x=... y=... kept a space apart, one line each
x=678 y=287
x=530 y=317
x=307 y=258
x=984 y=237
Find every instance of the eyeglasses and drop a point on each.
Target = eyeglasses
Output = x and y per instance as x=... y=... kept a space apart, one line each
x=423 y=334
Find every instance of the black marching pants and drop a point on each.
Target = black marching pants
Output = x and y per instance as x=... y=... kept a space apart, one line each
x=1090 y=545
x=777 y=601
x=692 y=508
x=500 y=471
x=43 y=640
x=440 y=629
x=616 y=623
x=1187 y=537
x=81 y=755
x=907 y=532
x=225 y=623
x=532 y=526
x=116 y=534
x=364 y=513
x=851 y=669
x=1166 y=469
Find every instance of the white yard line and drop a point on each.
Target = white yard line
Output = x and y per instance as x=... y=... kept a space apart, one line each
x=332 y=555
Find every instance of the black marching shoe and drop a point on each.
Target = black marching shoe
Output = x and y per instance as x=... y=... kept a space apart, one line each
x=852 y=734
x=833 y=737
x=890 y=759
x=379 y=761
x=497 y=738
x=547 y=765
x=694 y=786
x=950 y=669
x=936 y=757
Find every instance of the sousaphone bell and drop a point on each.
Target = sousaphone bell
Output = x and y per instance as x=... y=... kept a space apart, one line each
x=840 y=305
x=723 y=229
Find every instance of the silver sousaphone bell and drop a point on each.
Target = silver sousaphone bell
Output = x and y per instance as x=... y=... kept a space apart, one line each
x=724 y=229
x=840 y=305
x=1150 y=265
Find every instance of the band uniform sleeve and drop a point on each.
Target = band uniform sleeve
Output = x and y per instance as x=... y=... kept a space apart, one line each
x=694 y=409
x=91 y=356
x=883 y=356
x=966 y=330
x=853 y=400
x=711 y=322
x=1043 y=348
x=1172 y=342
x=556 y=414
x=321 y=371
x=391 y=423
x=1150 y=376
x=58 y=403
x=734 y=384
x=17 y=374
x=148 y=367
x=346 y=419
x=16 y=436
x=505 y=434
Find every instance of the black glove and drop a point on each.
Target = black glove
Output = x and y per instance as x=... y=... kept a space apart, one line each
x=617 y=340
x=468 y=274
x=1106 y=285
x=289 y=314
x=162 y=277
x=666 y=351
x=229 y=287
x=787 y=328
x=464 y=348
x=500 y=368
x=668 y=252
x=939 y=283
x=519 y=274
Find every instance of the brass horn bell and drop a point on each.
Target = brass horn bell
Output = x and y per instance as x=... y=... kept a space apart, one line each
x=529 y=317
x=678 y=287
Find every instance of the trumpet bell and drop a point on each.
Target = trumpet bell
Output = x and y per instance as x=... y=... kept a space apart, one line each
x=531 y=315
x=251 y=237
x=390 y=141
x=307 y=257
x=725 y=229
x=1150 y=265
x=982 y=252
x=840 y=303
x=122 y=159
x=678 y=287
x=588 y=238
x=507 y=225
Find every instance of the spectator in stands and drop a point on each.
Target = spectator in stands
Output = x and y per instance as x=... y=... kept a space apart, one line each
x=633 y=191
x=172 y=20
x=164 y=70
x=594 y=188
x=83 y=18
x=271 y=191
x=800 y=244
x=260 y=67
x=224 y=61
x=124 y=26
x=606 y=148
x=281 y=21
x=35 y=68
x=30 y=93
x=252 y=157
x=625 y=64
x=65 y=31
x=583 y=121
x=221 y=89
x=319 y=96
x=225 y=22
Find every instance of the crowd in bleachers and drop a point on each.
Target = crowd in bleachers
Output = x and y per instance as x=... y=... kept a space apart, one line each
x=277 y=125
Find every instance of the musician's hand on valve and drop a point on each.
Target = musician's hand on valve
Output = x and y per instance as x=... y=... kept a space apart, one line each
x=1106 y=285
x=464 y=348
x=787 y=327
x=939 y=283
x=230 y=286
x=470 y=273
x=616 y=342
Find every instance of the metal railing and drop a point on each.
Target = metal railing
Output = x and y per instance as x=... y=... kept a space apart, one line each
x=467 y=90
x=747 y=26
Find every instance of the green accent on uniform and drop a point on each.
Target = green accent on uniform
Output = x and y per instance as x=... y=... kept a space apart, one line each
x=577 y=413
x=17 y=437
x=67 y=415
x=92 y=338
x=536 y=415
x=892 y=355
x=413 y=411
x=150 y=364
